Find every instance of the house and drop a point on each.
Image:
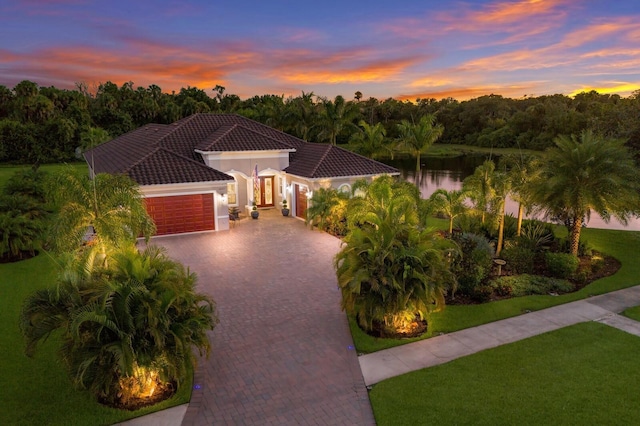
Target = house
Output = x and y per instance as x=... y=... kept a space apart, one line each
x=190 y=172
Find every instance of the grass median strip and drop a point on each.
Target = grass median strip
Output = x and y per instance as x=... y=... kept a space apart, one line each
x=583 y=374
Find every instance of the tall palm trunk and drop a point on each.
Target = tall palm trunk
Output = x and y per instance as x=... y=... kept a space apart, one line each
x=501 y=230
x=576 y=228
x=520 y=215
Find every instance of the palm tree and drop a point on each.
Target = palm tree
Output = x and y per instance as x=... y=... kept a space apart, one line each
x=391 y=271
x=370 y=140
x=335 y=117
x=371 y=199
x=418 y=137
x=587 y=173
x=111 y=204
x=18 y=234
x=301 y=113
x=501 y=185
x=521 y=173
x=125 y=329
x=450 y=203
x=325 y=205
x=479 y=186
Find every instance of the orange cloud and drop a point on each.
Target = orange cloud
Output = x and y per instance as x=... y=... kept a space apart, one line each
x=499 y=13
x=386 y=70
x=465 y=93
x=521 y=19
x=167 y=69
x=563 y=53
x=620 y=88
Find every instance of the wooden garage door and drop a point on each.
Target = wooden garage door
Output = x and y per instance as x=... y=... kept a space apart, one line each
x=181 y=213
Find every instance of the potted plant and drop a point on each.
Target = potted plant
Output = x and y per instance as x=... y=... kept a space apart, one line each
x=285 y=209
x=235 y=212
x=254 y=211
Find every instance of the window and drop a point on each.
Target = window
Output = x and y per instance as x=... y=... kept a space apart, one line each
x=231 y=194
x=345 y=188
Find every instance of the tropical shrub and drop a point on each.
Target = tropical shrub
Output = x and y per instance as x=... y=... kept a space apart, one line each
x=128 y=326
x=391 y=272
x=525 y=284
x=474 y=264
x=561 y=265
x=22 y=214
x=327 y=211
x=110 y=204
x=536 y=236
x=520 y=260
x=18 y=234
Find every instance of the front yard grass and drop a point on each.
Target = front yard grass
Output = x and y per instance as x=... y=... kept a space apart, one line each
x=583 y=374
x=633 y=313
x=623 y=245
x=38 y=391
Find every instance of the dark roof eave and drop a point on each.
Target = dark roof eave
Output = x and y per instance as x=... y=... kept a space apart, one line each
x=248 y=150
x=314 y=179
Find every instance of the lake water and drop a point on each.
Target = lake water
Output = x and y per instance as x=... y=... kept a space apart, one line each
x=448 y=173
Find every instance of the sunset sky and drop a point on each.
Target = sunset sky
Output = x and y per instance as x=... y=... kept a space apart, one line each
x=401 y=49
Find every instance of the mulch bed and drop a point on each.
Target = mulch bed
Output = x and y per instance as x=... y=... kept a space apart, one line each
x=163 y=391
x=611 y=266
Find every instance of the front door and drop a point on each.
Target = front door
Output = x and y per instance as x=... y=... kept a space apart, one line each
x=301 y=201
x=264 y=197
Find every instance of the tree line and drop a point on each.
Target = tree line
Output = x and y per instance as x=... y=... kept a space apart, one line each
x=47 y=124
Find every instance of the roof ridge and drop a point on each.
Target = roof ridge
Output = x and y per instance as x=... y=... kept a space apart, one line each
x=229 y=129
x=175 y=127
x=267 y=136
x=273 y=129
x=168 y=151
x=322 y=158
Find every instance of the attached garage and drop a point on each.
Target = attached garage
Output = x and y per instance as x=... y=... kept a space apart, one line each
x=182 y=213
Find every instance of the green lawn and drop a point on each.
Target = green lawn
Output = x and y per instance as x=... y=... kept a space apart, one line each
x=581 y=375
x=623 y=245
x=7 y=170
x=452 y=150
x=633 y=313
x=38 y=391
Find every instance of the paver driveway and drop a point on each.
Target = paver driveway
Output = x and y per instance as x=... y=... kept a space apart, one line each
x=282 y=353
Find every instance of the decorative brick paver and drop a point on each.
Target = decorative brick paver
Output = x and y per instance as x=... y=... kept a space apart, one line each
x=282 y=353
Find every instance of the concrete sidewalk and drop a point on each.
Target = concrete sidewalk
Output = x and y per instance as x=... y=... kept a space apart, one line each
x=393 y=362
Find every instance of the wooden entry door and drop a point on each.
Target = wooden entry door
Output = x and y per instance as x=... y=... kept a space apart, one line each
x=301 y=201
x=265 y=197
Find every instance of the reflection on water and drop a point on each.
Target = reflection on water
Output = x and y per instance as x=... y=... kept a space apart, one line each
x=448 y=173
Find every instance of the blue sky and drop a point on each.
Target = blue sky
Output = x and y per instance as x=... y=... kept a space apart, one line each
x=401 y=49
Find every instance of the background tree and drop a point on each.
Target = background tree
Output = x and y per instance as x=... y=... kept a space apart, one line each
x=480 y=188
x=521 y=173
x=335 y=117
x=449 y=203
x=370 y=141
x=587 y=173
x=417 y=138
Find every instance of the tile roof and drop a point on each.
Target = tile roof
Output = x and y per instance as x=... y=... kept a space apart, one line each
x=165 y=167
x=323 y=161
x=238 y=138
x=163 y=154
